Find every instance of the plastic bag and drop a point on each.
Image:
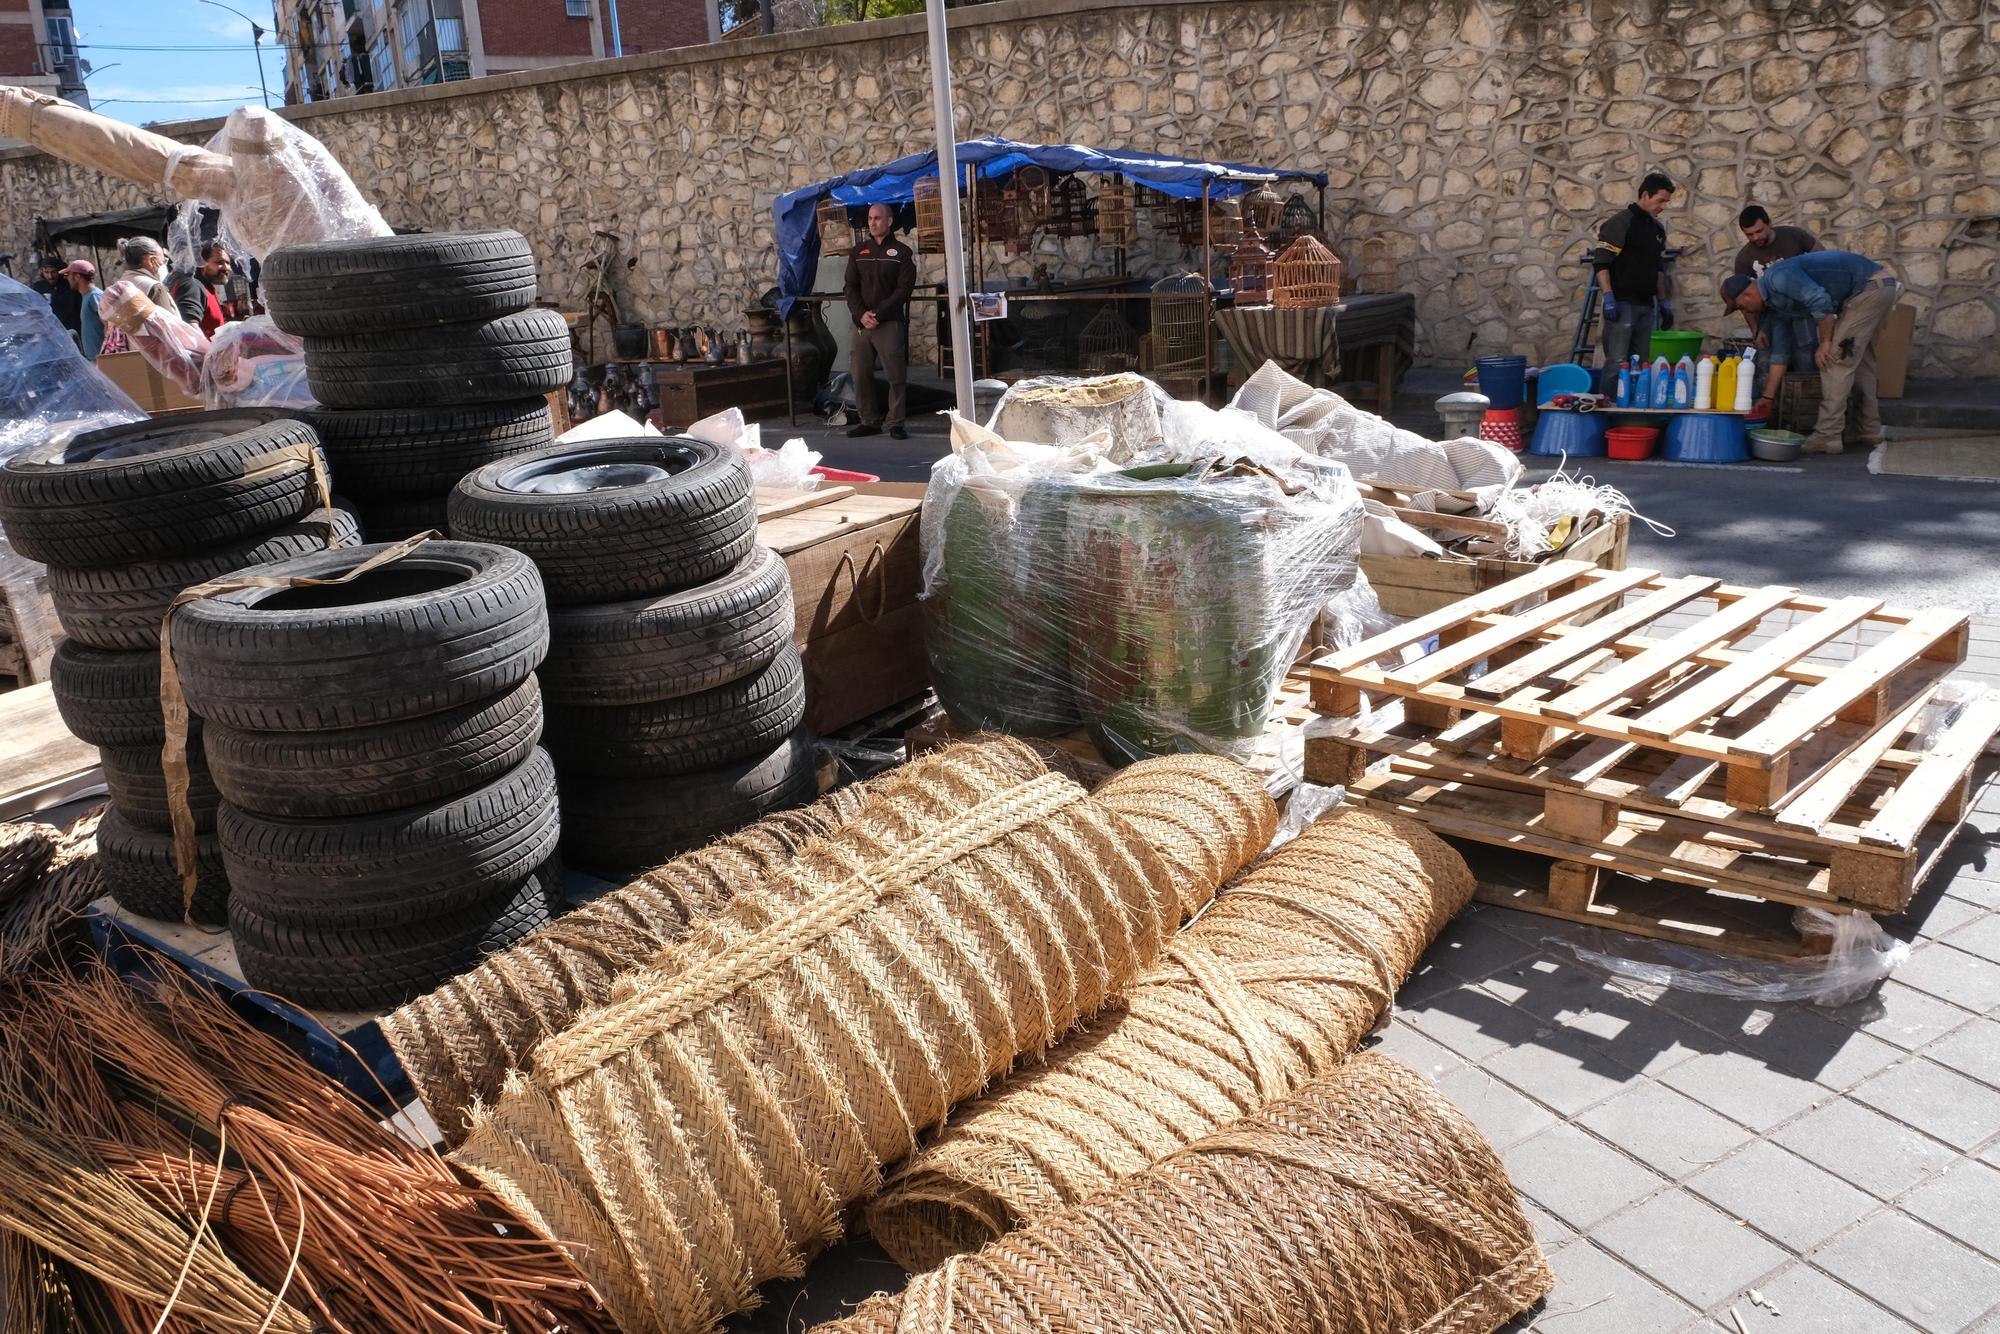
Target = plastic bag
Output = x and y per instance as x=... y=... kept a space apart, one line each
x=169 y=344
x=254 y=364
x=790 y=466
x=1060 y=409
x=1862 y=955
x=48 y=391
x=612 y=425
x=1158 y=606
x=286 y=189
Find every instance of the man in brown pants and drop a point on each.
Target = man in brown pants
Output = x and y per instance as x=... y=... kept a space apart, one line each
x=1847 y=296
x=880 y=275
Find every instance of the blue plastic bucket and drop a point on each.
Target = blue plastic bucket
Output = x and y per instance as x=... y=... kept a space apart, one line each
x=1563 y=378
x=1504 y=380
x=1577 y=434
x=1706 y=437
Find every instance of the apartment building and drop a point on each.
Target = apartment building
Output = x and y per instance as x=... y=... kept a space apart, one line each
x=338 y=48
x=38 y=48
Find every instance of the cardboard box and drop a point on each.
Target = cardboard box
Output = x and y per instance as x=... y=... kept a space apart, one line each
x=1892 y=351
x=149 y=389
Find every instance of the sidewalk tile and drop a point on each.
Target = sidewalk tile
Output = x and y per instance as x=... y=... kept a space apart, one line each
x=1668 y=1131
x=1744 y=1088
x=1811 y=1046
x=1657 y=1040
x=1595 y=1294
x=1474 y=1024
x=1402 y=1041
x=1550 y=1231
x=1972 y=1050
x=1566 y=1072
x=1903 y=1015
x=1809 y=1302
x=1982 y=937
x=1926 y=1278
x=1945 y=917
x=1576 y=1178
x=1502 y=1115
x=1883 y=1158
x=1475 y=949
x=1965 y=1202
x=1953 y=974
x=1689 y=1248
x=1782 y=1195
x=1937 y=1101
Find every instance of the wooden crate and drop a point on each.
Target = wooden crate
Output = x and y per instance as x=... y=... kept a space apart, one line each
x=1417 y=585
x=855 y=561
x=1774 y=717
x=28 y=625
x=41 y=764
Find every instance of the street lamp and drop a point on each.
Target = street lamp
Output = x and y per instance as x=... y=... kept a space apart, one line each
x=256 y=40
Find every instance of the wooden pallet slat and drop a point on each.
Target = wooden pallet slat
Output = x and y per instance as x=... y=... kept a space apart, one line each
x=1476 y=647
x=1553 y=575
x=1817 y=801
x=1943 y=768
x=1504 y=681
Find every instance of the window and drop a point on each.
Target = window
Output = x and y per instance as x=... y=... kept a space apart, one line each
x=577 y=9
x=383 y=60
x=62 y=39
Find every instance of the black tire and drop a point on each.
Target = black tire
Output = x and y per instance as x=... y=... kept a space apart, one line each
x=450 y=624
x=659 y=648
x=393 y=518
x=119 y=607
x=155 y=489
x=138 y=786
x=363 y=770
x=625 y=518
x=370 y=967
x=110 y=699
x=138 y=869
x=516 y=356
x=397 y=282
x=621 y=823
x=402 y=866
x=704 y=730
x=424 y=451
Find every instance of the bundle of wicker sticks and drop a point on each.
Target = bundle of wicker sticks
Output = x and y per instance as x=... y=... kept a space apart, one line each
x=459 y=1042
x=33 y=915
x=1275 y=984
x=702 y=1132
x=1364 y=1203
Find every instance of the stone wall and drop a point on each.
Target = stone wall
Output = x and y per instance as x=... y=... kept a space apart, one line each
x=1483 y=139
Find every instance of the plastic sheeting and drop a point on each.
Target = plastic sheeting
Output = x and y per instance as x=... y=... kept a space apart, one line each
x=895 y=183
x=47 y=390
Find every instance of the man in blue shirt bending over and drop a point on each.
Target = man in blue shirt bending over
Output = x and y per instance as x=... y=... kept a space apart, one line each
x=1847 y=296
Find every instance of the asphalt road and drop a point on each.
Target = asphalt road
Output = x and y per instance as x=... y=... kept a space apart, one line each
x=1826 y=524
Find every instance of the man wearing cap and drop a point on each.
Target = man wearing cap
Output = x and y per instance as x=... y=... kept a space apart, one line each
x=881 y=273
x=60 y=295
x=1847 y=296
x=82 y=277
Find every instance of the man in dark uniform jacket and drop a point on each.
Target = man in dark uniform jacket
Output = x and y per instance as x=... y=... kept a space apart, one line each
x=880 y=274
x=1630 y=270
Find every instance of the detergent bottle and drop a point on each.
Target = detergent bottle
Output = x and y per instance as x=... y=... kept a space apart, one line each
x=1624 y=396
x=1684 y=383
x=1725 y=384
x=1663 y=383
x=1746 y=375
x=1704 y=383
x=1642 y=385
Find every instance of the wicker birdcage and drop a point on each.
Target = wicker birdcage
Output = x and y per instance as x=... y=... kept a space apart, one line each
x=1162 y=209
x=1263 y=211
x=1117 y=213
x=1295 y=220
x=836 y=232
x=1250 y=271
x=1032 y=190
x=1223 y=225
x=1180 y=305
x=1306 y=274
x=1378 y=265
x=1070 y=211
x=930 y=214
x=996 y=214
x=1107 y=343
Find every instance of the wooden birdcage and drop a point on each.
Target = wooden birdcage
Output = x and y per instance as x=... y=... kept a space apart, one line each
x=1161 y=209
x=1107 y=343
x=1223 y=225
x=1263 y=211
x=1032 y=191
x=1378 y=265
x=1250 y=271
x=1296 y=220
x=996 y=214
x=930 y=214
x=836 y=233
x=1070 y=211
x=1180 y=305
x=1306 y=274
x=1117 y=213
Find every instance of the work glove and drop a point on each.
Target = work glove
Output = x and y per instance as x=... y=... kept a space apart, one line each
x=1666 y=315
x=1610 y=307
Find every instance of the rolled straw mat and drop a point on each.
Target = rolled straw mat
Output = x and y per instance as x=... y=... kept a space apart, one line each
x=701 y=1133
x=459 y=1042
x=1275 y=984
x=1364 y=1203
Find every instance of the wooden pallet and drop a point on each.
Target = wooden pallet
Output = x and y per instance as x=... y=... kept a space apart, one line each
x=1772 y=717
x=1279 y=754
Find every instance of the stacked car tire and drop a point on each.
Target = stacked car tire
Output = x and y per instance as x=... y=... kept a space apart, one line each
x=386 y=816
x=126 y=518
x=428 y=360
x=675 y=694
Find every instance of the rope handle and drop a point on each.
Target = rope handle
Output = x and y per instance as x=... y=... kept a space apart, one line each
x=173 y=702
x=878 y=560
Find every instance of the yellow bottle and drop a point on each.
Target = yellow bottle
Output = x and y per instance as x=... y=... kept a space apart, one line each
x=1725 y=383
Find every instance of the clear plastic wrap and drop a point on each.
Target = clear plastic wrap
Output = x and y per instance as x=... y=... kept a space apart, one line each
x=285 y=189
x=1861 y=955
x=170 y=345
x=1157 y=605
x=48 y=391
x=254 y=364
x=1059 y=409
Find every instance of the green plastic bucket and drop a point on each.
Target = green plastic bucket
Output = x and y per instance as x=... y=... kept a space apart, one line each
x=996 y=624
x=1673 y=344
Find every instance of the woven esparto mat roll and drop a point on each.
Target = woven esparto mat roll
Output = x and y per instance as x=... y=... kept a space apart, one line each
x=701 y=1133
x=1364 y=1203
x=459 y=1042
x=1274 y=984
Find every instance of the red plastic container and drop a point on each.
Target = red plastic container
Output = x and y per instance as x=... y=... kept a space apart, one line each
x=843 y=475
x=1632 y=443
x=1503 y=427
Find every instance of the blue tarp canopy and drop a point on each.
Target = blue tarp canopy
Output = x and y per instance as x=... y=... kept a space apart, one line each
x=895 y=183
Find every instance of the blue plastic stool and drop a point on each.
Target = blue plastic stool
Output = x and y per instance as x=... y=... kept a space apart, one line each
x=1504 y=380
x=1577 y=434
x=1706 y=437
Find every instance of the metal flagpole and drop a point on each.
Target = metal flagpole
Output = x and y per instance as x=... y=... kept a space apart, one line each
x=954 y=240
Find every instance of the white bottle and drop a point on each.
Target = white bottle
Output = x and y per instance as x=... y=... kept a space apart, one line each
x=1745 y=373
x=1704 y=384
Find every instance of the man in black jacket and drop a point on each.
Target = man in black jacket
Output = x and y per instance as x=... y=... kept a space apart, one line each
x=61 y=297
x=880 y=275
x=1630 y=269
